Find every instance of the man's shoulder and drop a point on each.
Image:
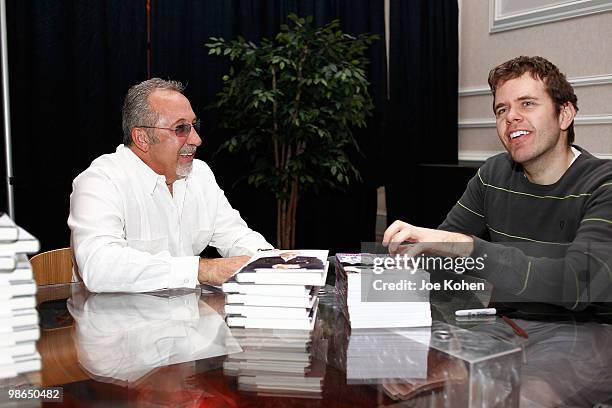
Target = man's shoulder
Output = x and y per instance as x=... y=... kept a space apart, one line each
x=497 y=167
x=109 y=165
x=591 y=169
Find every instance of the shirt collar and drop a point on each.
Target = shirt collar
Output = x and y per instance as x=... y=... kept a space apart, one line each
x=150 y=179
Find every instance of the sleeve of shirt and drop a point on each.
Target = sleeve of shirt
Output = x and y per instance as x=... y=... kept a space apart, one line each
x=104 y=260
x=467 y=216
x=231 y=235
x=571 y=275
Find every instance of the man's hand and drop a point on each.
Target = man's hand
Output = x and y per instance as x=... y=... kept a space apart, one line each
x=215 y=271
x=435 y=242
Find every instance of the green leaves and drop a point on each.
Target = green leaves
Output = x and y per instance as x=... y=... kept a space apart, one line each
x=292 y=102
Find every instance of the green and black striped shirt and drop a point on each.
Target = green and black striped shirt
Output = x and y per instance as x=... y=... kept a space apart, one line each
x=543 y=243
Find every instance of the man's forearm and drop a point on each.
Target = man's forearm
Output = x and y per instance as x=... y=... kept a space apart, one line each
x=115 y=268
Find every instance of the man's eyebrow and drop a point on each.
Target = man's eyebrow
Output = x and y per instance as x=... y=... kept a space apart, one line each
x=183 y=121
x=520 y=98
x=525 y=97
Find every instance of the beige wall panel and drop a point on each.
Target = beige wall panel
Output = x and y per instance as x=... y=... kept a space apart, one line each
x=484 y=139
x=595 y=138
x=595 y=100
x=579 y=46
x=476 y=107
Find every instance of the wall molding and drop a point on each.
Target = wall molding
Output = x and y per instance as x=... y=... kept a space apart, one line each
x=577 y=82
x=579 y=120
x=562 y=10
x=482 y=155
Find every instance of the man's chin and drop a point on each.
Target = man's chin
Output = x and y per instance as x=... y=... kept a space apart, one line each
x=183 y=170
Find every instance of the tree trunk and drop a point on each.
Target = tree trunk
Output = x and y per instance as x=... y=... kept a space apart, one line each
x=286 y=218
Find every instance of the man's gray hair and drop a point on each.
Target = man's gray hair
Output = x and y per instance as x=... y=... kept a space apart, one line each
x=136 y=110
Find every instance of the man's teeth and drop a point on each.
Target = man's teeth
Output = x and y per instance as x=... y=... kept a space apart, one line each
x=518 y=133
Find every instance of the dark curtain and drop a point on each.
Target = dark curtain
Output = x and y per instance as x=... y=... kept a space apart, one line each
x=422 y=112
x=334 y=220
x=70 y=64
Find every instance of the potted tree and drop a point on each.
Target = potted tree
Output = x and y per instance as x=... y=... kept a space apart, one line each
x=291 y=103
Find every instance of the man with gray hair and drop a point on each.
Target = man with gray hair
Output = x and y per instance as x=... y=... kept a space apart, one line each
x=141 y=216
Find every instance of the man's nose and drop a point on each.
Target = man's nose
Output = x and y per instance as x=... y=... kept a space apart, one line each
x=194 y=137
x=513 y=115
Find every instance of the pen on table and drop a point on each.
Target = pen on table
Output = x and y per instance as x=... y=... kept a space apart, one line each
x=517 y=329
x=476 y=312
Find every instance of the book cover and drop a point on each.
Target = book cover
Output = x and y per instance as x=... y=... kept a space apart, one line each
x=302 y=277
x=280 y=260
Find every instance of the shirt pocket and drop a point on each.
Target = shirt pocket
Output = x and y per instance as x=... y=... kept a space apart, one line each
x=152 y=246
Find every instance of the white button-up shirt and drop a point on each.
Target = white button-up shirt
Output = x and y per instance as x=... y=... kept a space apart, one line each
x=129 y=234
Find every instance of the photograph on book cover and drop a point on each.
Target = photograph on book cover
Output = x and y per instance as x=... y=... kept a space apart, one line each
x=294 y=259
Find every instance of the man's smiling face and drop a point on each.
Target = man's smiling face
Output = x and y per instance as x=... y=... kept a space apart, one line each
x=172 y=155
x=528 y=123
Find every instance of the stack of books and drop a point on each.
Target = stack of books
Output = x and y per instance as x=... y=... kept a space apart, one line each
x=277 y=290
x=18 y=316
x=277 y=363
x=367 y=303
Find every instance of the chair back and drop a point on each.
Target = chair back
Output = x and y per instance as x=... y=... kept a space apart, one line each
x=52 y=267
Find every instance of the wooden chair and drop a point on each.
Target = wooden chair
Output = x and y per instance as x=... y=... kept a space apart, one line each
x=56 y=345
x=52 y=267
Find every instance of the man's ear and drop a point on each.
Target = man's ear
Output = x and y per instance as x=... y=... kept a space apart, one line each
x=140 y=138
x=566 y=115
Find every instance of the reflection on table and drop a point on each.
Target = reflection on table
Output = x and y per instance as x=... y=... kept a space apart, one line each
x=175 y=349
x=122 y=337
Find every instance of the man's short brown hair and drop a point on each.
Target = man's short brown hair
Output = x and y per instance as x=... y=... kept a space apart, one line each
x=557 y=86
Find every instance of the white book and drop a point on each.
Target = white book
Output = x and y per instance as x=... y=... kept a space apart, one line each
x=26 y=317
x=26 y=244
x=268 y=290
x=285 y=277
x=22 y=269
x=16 y=288
x=7 y=306
x=264 y=323
x=10 y=336
x=8 y=229
x=281 y=301
x=272 y=312
x=7 y=263
x=22 y=364
x=19 y=349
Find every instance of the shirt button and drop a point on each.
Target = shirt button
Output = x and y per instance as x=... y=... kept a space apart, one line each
x=186 y=281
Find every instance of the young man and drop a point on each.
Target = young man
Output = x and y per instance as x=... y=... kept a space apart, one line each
x=547 y=200
x=141 y=216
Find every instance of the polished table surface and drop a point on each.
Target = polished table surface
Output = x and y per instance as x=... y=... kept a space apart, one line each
x=169 y=349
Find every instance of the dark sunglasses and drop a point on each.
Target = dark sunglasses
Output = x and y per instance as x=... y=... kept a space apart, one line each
x=181 y=130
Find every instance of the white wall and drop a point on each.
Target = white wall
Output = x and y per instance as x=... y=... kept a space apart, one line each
x=581 y=47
